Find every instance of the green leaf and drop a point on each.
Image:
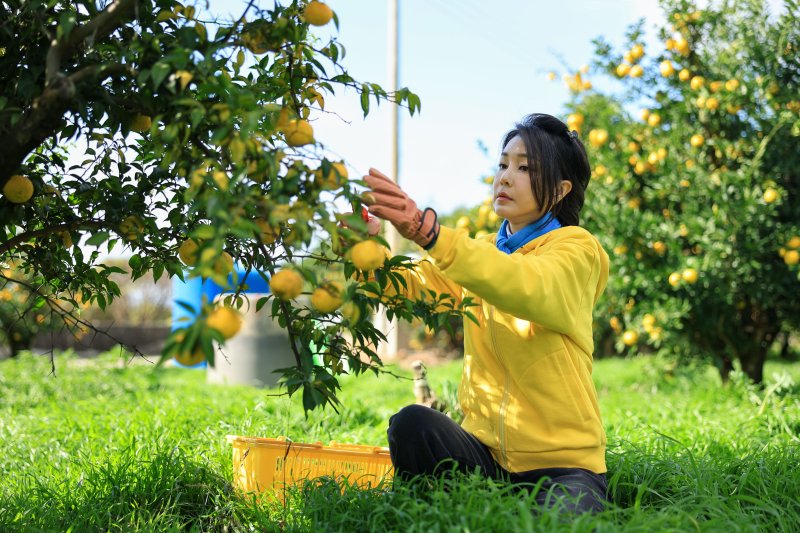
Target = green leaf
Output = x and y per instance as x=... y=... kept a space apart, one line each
x=98 y=238
x=159 y=71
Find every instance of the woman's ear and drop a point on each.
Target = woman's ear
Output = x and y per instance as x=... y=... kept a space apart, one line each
x=566 y=187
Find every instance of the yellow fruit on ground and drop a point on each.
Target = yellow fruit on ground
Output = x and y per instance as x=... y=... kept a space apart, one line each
x=18 y=189
x=697 y=140
x=187 y=252
x=794 y=242
x=623 y=69
x=684 y=74
x=792 y=257
x=367 y=255
x=131 y=228
x=351 y=312
x=286 y=284
x=689 y=275
x=224 y=264
x=298 y=132
x=666 y=68
x=636 y=71
x=327 y=298
x=674 y=279
x=317 y=13
x=770 y=195
x=630 y=337
x=226 y=320
x=141 y=123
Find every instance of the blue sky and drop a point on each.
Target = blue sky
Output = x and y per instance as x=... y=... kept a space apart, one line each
x=477 y=66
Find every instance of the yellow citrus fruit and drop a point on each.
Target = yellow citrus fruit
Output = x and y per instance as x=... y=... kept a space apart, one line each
x=224 y=264
x=298 y=132
x=283 y=118
x=141 y=123
x=462 y=222
x=131 y=228
x=792 y=257
x=648 y=321
x=221 y=179
x=712 y=104
x=674 y=279
x=351 y=312
x=367 y=255
x=659 y=247
x=226 y=320
x=66 y=238
x=335 y=177
x=689 y=275
x=327 y=298
x=715 y=86
x=666 y=68
x=286 y=284
x=630 y=337
x=654 y=120
x=598 y=137
x=184 y=77
x=18 y=189
x=637 y=51
x=697 y=83
x=188 y=252
x=317 y=14
x=268 y=233
x=794 y=242
x=575 y=121
x=623 y=69
x=684 y=74
x=681 y=46
x=697 y=140
x=636 y=71
x=770 y=195
x=190 y=358
x=731 y=85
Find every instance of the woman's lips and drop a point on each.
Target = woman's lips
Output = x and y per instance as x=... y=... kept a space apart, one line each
x=503 y=196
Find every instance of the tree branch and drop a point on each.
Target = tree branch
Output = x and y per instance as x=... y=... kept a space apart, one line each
x=23 y=237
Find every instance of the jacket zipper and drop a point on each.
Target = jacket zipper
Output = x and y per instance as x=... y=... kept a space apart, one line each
x=504 y=402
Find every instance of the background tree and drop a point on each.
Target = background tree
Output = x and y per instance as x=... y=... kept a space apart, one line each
x=198 y=141
x=696 y=196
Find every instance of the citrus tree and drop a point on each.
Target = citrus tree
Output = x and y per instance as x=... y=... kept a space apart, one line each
x=695 y=185
x=198 y=152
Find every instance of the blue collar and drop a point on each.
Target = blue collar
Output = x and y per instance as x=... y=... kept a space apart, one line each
x=510 y=243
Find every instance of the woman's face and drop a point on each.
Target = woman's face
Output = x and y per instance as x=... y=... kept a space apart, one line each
x=513 y=195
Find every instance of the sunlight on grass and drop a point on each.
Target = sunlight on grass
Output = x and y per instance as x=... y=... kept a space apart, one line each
x=106 y=446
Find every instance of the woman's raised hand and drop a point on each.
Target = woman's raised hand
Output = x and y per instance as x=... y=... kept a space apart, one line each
x=387 y=200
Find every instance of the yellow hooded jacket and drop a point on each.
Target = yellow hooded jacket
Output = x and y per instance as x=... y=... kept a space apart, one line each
x=526 y=388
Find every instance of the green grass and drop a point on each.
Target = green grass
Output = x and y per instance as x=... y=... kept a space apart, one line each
x=104 y=447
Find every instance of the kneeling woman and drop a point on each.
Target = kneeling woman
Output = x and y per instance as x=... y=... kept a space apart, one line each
x=530 y=406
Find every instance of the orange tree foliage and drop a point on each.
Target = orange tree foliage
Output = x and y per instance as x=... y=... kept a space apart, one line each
x=190 y=128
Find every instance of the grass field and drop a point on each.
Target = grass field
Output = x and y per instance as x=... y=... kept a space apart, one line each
x=103 y=446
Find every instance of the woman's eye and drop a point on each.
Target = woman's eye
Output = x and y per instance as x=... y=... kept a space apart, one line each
x=501 y=165
x=523 y=168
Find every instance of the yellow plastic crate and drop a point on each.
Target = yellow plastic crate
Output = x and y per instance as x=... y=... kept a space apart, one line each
x=268 y=466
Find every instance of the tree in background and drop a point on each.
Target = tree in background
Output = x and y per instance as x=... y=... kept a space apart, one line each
x=199 y=144
x=696 y=196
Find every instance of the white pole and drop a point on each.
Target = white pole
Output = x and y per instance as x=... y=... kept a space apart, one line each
x=388 y=349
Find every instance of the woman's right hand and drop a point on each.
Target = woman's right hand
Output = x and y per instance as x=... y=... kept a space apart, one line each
x=373 y=222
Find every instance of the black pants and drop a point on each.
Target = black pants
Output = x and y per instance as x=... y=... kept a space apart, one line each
x=423 y=441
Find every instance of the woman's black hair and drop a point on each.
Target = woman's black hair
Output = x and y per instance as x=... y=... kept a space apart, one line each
x=554 y=154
